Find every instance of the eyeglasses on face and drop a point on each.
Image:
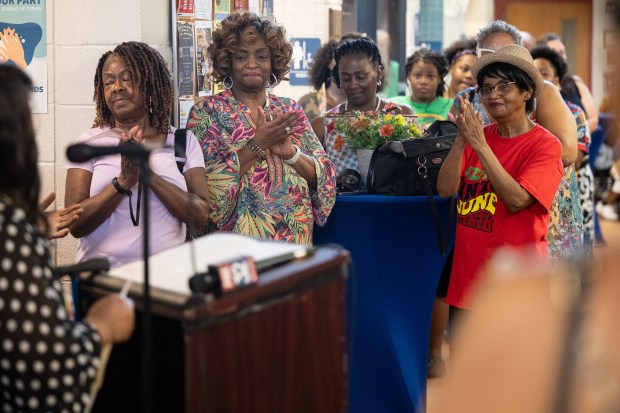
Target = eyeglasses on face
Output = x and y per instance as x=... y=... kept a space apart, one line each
x=501 y=89
x=481 y=52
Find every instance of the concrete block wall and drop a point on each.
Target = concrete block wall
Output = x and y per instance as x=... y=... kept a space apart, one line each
x=80 y=31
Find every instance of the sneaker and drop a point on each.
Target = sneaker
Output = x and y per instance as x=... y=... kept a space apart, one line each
x=436 y=367
x=607 y=211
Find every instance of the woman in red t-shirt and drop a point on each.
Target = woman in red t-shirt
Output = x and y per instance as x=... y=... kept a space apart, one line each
x=505 y=174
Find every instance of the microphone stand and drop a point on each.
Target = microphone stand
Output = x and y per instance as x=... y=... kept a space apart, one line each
x=147 y=348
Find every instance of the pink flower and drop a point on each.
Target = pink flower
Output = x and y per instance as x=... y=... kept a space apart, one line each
x=386 y=130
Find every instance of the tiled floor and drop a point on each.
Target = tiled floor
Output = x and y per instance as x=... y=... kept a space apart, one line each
x=611 y=233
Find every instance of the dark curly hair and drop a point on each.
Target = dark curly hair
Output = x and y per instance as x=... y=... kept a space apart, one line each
x=149 y=75
x=513 y=74
x=19 y=174
x=320 y=72
x=437 y=59
x=360 y=45
x=245 y=26
x=458 y=46
x=557 y=61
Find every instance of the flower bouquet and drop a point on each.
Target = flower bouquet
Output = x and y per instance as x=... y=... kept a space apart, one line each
x=365 y=131
x=362 y=130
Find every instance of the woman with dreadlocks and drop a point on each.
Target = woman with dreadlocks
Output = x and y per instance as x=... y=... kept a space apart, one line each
x=133 y=97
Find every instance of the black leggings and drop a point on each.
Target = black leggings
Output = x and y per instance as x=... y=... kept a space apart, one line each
x=455 y=314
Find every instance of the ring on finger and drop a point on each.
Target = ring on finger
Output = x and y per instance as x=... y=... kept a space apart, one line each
x=287 y=130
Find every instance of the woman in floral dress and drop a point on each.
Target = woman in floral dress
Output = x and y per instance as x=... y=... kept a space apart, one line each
x=268 y=174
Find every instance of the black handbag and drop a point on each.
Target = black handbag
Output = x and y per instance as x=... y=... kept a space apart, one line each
x=411 y=167
x=408 y=167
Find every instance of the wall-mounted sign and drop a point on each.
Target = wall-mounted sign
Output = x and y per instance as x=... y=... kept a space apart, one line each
x=304 y=50
x=23 y=44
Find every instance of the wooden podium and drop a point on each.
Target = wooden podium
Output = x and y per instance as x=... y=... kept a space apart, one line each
x=278 y=346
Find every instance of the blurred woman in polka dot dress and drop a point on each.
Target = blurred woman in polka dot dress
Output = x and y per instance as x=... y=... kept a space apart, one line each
x=47 y=362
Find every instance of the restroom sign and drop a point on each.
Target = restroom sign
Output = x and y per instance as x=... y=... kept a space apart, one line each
x=304 y=50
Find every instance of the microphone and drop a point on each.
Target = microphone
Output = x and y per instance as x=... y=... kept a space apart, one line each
x=94 y=265
x=225 y=277
x=81 y=152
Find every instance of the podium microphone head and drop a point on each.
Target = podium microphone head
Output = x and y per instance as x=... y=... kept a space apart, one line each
x=81 y=152
x=205 y=283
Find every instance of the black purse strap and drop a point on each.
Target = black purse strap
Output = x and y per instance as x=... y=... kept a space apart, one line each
x=180 y=148
x=442 y=239
x=370 y=177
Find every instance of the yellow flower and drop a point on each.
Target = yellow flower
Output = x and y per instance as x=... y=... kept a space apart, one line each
x=363 y=130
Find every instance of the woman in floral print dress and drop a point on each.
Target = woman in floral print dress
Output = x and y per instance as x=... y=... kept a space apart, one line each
x=268 y=174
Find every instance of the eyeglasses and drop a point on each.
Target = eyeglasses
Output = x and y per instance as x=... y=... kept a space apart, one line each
x=500 y=88
x=481 y=52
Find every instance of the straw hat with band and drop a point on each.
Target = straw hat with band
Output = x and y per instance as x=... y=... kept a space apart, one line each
x=514 y=55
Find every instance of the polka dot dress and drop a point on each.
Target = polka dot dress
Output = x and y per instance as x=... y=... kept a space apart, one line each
x=47 y=362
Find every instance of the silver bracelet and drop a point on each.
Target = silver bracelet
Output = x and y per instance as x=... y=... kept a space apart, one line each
x=295 y=157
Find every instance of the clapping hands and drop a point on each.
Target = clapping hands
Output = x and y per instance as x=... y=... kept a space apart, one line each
x=470 y=124
x=274 y=131
x=59 y=220
x=130 y=169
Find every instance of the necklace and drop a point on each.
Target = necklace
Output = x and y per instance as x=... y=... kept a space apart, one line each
x=346 y=105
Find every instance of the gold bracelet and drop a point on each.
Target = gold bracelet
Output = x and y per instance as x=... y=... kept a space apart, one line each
x=256 y=150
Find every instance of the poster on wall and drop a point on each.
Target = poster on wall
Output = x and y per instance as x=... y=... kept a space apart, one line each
x=254 y=6
x=221 y=6
x=203 y=40
x=221 y=9
x=185 y=105
x=240 y=5
x=203 y=9
x=23 y=43
x=185 y=58
x=186 y=8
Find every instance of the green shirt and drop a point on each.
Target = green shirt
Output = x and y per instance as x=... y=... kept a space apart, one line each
x=426 y=113
x=391 y=88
